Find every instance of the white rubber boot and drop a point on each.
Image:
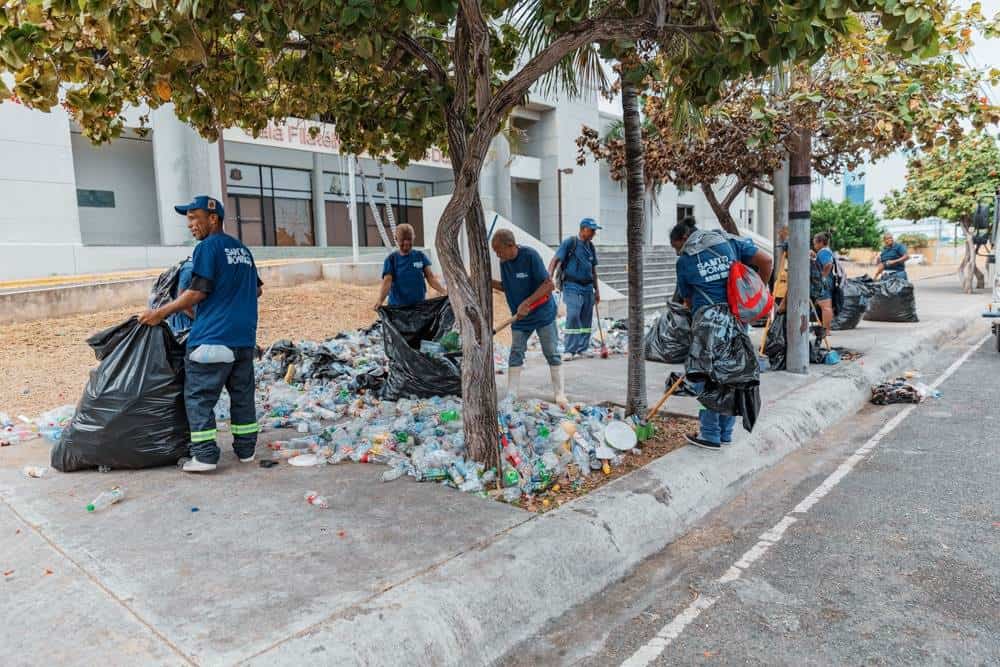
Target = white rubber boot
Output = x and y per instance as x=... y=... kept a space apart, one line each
x=514 y=381
x=558 y=386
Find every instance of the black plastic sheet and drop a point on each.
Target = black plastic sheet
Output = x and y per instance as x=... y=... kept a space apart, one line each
x=669 y=339
x=412 y=373
x=892 y=300
x=723 y=357
x=856 y=293
x=132 y=412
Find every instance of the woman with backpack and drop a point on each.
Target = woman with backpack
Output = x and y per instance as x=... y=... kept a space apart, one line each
x=821 y=278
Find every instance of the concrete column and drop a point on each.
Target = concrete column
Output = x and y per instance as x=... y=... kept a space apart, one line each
x=501 y=178
x=318 y=203
x=185 y=165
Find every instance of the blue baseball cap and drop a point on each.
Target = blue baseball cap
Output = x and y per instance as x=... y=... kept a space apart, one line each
x=205 y=203
x=589 y=223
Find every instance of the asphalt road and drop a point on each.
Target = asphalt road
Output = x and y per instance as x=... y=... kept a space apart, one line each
x=899 y=563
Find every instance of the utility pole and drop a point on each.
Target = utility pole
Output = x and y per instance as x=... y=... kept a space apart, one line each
x=799 y=204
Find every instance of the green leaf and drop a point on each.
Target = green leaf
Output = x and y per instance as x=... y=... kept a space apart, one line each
x=912 y=14
x=349 y=16
x=363 y=47
x=413 y=5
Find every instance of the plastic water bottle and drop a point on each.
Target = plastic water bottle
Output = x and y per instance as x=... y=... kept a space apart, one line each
x=106 y=499
x=316 y=500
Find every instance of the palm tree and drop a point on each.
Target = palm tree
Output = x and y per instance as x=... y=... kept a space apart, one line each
x=635 y=234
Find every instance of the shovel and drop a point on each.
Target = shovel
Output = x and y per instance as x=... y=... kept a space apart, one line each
x=600 y=329
x=506 y=323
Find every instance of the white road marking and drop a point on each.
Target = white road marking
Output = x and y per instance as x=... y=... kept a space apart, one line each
x=672 y=630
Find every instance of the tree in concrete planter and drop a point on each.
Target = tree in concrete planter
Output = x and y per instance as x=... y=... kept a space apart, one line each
x=950 y=182
x=852 y=225
x=397 y=77
x=863 y=100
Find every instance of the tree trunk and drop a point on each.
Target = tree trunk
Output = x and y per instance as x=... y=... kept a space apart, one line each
x=721 y=209
x=635 y=236
x=799 y=191
x=471 y=295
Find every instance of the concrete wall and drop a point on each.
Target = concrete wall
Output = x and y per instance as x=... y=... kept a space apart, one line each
x=37 y=184
x=125 y=167
x=524 y=198
x=28 y=305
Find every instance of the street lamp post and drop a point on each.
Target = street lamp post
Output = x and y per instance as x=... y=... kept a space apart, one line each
x=559 y=175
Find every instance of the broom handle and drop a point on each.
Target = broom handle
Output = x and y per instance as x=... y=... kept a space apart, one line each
x=600 y=328
x=670 y=392
x=767 y=329
x=506 y=323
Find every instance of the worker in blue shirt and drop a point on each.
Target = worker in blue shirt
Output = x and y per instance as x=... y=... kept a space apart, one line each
x=220 y=347
x=524 y=281
x=892 y=259
x=578 y=258
x=703 y=261
x=821 y=278
x=406 y=273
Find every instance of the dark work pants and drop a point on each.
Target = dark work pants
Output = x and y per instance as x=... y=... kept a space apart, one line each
x=203 y=384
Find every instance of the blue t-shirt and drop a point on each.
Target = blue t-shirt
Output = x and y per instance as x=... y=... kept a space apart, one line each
x=895 y=251
x=408 y=282
x=228 y=315
x=520 y=277
x=820 y=284
x=745 y=248
x=180 y=321
x=702 y=277
x=578 y=267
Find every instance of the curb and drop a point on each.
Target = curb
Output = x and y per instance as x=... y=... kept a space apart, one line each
x=475 y=607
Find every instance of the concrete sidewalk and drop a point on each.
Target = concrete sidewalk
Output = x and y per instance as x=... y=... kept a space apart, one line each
x=392 y=573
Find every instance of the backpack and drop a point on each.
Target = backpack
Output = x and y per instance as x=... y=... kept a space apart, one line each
x=748 y=296
x=837 y=293
x=560 y=274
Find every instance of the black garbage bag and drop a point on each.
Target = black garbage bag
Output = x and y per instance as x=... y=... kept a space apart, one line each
x=412 y=373
x=723 y=357
x=669 y=340
x=686 y=388
x=165 y=288
x=131 y=414
x=856 y=292
x=892 y=300
x=775 y=345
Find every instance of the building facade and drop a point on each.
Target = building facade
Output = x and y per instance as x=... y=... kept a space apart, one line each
x=76 y=208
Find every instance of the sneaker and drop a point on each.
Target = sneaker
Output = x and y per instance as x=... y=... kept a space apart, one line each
x=725 y=442
x=249 y=459
x=568 y=356
x=704 y=444
x=194 y=465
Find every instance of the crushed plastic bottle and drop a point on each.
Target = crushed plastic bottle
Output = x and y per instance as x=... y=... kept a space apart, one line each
x=36 y=472
x=316 y=500
x=106 y=499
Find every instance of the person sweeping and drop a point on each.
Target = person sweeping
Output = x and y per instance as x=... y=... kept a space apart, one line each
x=526 y=283
x=574 y=270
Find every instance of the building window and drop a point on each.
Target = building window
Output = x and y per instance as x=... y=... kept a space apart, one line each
x=684 y=211
x=269 y=206
x=95 y=198
x=404 y=195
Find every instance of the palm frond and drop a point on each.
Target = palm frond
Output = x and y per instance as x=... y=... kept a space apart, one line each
x=575 y=75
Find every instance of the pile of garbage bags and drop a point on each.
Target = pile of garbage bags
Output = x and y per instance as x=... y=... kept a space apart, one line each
x=892 y=300
x=902 y=390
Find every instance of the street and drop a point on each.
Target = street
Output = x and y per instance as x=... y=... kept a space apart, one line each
x=895 y=559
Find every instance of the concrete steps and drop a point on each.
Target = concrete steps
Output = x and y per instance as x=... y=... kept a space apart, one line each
x=659 y=273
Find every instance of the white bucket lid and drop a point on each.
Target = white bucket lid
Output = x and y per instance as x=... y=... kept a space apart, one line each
x=620 y=435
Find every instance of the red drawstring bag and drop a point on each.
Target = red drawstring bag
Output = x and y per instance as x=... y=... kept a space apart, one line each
x=748 y=295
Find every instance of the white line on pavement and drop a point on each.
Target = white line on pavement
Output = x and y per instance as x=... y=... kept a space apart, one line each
x=672 y=630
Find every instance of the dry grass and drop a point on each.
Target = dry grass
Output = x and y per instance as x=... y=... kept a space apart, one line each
x=44 y=364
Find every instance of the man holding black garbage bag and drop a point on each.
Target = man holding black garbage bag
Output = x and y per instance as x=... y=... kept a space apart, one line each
x=220 y=347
